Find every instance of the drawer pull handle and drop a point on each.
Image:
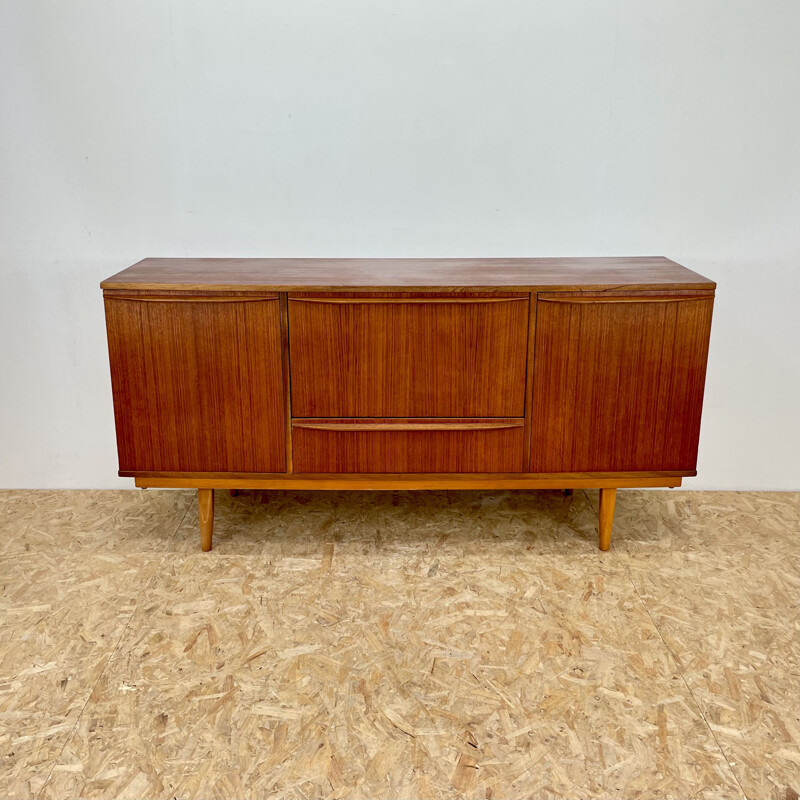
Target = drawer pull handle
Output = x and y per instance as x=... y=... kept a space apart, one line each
x=142 y=298
x=405 y=300
x=634 y=299
x=407 y=426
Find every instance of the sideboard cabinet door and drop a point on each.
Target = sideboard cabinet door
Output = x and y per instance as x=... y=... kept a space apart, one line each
x=618 y=382
x=407 y=355
x=197 y=383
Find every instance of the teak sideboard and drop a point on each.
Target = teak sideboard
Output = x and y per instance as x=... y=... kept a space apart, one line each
x=520 y=373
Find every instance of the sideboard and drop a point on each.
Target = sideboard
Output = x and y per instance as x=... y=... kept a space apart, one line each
x=518 y=373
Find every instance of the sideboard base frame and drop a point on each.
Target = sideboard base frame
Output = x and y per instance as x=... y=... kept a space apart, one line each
x=607 y=483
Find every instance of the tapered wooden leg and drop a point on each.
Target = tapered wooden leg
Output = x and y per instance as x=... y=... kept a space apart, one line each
x=205 y=501
x=608 y=498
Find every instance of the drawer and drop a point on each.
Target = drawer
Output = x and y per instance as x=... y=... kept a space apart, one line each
x=407 y=445
x=408 y=355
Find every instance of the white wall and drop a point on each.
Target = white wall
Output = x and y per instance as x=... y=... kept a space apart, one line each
x=402 y=128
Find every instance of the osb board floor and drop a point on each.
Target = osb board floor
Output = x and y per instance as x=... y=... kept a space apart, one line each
x=399 y=645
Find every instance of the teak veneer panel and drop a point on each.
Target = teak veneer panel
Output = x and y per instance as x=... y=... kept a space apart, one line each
x=618 y=382
x=197 y=385
x=405 y=355
x=382 y=274
x=407 y=446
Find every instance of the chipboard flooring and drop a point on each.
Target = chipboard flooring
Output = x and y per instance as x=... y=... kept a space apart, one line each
x=399 y=645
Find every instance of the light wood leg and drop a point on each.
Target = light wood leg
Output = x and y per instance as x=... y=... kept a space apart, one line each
x=205 y=501
x=608 y=498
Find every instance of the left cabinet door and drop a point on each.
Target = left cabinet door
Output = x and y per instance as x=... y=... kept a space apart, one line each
x=197 y=383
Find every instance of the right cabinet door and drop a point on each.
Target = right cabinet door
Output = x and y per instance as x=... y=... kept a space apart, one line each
x=618 y=381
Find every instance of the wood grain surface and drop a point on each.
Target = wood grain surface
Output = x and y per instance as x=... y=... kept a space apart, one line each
x=408 y=356
x=408 y=481
x=197 y=385
x=618 y=382
x=444 y=274
x=378 y=446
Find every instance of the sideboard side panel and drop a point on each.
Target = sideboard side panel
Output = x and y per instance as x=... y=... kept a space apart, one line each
x=197 y=385
x=618 y=382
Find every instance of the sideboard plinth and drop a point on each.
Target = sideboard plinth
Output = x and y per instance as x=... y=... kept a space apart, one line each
x=410 y=481
x=607 y=484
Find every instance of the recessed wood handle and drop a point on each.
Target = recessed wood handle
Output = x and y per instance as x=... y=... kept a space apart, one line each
x=405 y=300
x=626 y=299
x=138 y=298
x=407 y=426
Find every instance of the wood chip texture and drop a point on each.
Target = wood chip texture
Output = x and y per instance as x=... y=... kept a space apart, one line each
x=399 y=645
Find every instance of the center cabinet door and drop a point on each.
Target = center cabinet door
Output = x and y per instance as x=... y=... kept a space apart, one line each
x=408 y=355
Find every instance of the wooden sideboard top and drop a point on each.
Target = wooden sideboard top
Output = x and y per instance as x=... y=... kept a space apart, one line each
x=387 y=274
